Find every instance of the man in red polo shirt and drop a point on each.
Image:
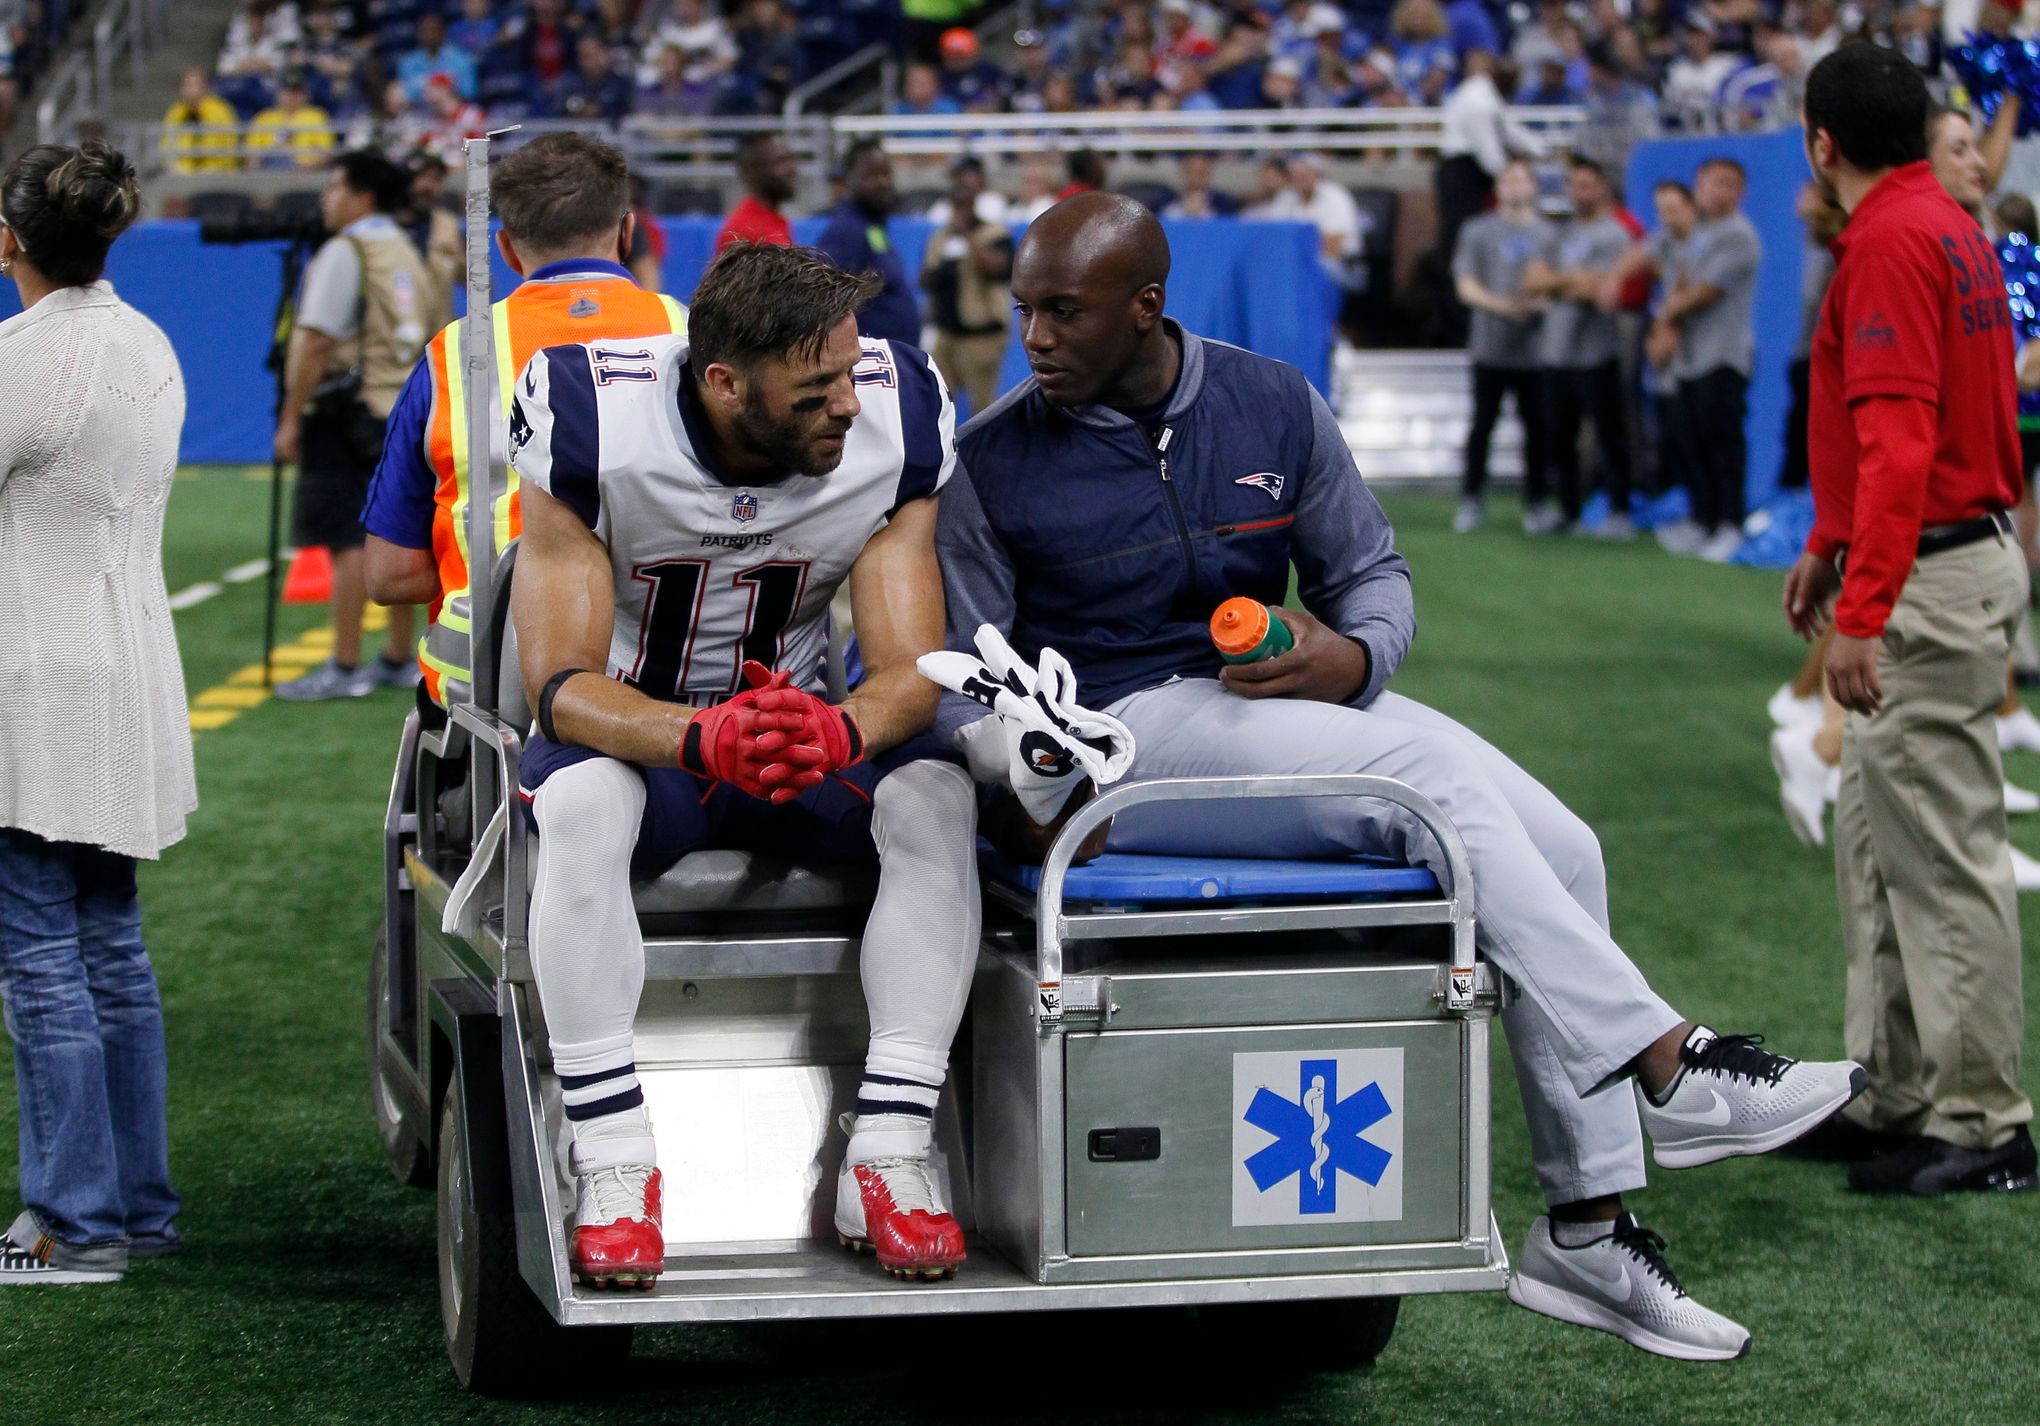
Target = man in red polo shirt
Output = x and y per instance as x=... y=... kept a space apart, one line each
x=769 y=171
x=1914 y=447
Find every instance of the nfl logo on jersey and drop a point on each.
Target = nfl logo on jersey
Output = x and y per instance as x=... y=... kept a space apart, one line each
x=744 y=508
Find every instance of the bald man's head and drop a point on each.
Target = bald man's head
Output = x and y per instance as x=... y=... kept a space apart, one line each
x=1090 y=281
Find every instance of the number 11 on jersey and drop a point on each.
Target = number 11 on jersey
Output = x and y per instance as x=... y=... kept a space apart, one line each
x=694 y=635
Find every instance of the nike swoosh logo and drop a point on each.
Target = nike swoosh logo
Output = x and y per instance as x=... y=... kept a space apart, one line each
x=1616 y=1287
x=1714 y=1116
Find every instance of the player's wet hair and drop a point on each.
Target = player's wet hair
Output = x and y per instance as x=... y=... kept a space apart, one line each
x=1873 y=103
x=562 y=191
x=760 y=300
x=67 y=205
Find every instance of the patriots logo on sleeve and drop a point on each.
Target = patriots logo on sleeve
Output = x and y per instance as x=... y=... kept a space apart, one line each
x=520 y=430
x=1267 y=480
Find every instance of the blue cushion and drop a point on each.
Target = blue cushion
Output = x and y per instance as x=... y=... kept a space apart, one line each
x=1128 y=877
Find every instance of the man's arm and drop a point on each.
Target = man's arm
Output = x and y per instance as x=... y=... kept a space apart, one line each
x=1723 y=263
x=303 y=369
x=398 y=516
x=564 y=607
x=1475 y=294
x=977 y=581
x=896 y=603
x=1997 y=140
x=1362 y=618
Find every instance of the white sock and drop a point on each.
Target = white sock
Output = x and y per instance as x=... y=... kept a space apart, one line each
x=1579 y=1235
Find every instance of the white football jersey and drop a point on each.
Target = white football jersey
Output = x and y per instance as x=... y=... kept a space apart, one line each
x=708 y=570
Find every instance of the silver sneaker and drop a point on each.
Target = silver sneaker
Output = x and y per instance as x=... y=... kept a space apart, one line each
x=1542 y=519
x=28 y=1256
x=1720 y=547
x=1467 y=518
x=1732 y=1097
x=329 y=680
x=1621 y=1284
x=1615 y=530
x=405 y=673
x=1681 y=537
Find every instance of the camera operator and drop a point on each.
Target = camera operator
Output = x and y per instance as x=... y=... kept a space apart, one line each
x=368 y=306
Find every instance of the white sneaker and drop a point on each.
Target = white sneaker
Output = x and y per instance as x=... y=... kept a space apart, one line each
x=1802 y=778
x=1732 y=1097
x=1543 y=518
x=1615 y=530
x=2019 y=732
x=1720 y=547
x=1467 y=518
x=1681 y=537
x=1621 y=1284
x=30 y=1257
x=2025 y=871
x=1788 y=710
x=2019 y=802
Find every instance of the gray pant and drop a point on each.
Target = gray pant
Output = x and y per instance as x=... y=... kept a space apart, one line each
x=1540 y=890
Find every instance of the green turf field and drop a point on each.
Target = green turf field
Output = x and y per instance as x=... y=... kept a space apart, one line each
x=1632 y=683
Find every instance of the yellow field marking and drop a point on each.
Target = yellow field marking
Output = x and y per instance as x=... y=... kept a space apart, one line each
x=205 y=719
x=230 y=698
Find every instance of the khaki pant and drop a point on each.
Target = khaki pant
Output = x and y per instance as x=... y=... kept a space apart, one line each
x=1929 y=914
x=973 y=363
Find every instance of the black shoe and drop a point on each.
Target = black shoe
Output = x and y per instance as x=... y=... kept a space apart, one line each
x=1926 y=1167
x=1838 y=1139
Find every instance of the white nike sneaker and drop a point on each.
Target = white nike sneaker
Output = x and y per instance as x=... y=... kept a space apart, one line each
x=2025 y=871
x=2019 y=732
x=1621 y=1284
x=1802 y=778
x=1790 y=711
x=2019 y=802
x=1732 y=1097
x=1542 y=519
x=1466 y=519
x=1681 y=537
x=1720 y=547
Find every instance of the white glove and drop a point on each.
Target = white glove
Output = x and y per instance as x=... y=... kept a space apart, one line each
x=1041 y=743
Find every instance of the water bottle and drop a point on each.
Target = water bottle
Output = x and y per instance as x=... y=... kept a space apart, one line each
x=1245 y=632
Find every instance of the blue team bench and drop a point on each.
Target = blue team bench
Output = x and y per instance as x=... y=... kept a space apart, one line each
x=1135 y=879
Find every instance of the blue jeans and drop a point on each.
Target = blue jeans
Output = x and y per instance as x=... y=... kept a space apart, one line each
x=89 y=1060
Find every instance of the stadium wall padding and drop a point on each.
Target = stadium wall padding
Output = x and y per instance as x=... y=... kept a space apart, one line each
x=1776 y=164
x=1254 y=284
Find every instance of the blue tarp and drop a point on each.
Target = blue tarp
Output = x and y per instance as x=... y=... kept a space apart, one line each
x=1254 y=284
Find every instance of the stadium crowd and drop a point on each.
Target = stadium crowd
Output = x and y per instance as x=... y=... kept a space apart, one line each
x=424 y=72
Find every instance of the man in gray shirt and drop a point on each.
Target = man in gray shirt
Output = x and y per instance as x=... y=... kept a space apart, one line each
x=1494 y=253
x=1582 y=376
x=1708 y=314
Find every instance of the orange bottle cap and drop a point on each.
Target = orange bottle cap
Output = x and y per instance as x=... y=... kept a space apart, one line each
x=1239 y=626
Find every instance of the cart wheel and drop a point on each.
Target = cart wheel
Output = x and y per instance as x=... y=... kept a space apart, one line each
x=500 y=1340
x=1328 y=1336
x=409 y=1160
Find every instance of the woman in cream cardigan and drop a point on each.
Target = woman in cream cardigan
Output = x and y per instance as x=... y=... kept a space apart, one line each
x=95 y=746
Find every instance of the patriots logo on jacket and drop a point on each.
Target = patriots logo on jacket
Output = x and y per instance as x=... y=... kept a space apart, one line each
x=1266 y=480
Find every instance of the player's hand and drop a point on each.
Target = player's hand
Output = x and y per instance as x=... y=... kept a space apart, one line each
x=755 y=748
x=1662 y=345
x=1808 y=588
x=1325 y=666
x=824 y=736
x=289 y=441
x=1852 y=673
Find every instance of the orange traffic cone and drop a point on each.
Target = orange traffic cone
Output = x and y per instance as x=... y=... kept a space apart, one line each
x=310 y=580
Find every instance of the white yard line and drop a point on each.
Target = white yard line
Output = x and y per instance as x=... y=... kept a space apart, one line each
x=196 y=594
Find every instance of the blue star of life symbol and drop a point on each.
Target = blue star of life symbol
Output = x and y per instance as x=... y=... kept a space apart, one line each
x=1317 y=1137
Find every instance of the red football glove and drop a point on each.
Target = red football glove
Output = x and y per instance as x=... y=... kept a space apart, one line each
x=756 y=747
x=824 y=727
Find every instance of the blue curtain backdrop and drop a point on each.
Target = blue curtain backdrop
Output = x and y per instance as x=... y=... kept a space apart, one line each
x=1776 y=164
x=1254 y=284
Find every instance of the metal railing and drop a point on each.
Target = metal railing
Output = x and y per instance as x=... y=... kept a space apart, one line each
x=83 y=83
x=705 y=150
x=1222 y=130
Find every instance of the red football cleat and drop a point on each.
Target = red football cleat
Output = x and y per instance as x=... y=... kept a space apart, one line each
x=887 y=1206
x=617 y=1240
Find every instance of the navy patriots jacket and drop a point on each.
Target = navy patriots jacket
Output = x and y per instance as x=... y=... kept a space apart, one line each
x=1077 y=530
